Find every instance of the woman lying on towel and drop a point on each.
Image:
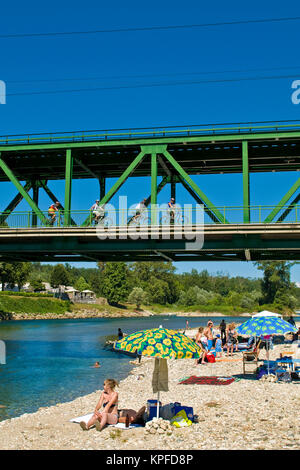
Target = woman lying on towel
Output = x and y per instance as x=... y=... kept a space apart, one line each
x=109 y=414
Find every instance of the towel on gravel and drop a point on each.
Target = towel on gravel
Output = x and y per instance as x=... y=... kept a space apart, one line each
x=210 y=380
x=87 y=417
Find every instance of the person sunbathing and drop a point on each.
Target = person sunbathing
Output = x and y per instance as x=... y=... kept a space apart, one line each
x=129 y=416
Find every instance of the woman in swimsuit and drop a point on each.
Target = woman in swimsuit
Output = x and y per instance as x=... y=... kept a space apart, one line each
x=199 y=342
x=109 y=401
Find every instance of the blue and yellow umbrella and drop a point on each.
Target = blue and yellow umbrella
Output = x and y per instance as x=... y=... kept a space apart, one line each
x=161 y=343
x=265 y=326
x=261 y=326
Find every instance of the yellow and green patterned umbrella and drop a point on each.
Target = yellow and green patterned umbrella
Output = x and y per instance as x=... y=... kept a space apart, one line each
x=161 y=343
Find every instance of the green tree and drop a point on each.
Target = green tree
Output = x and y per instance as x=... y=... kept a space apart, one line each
x=21 y=273
x=158 y=291
x=137 y=296
x=115 y=286
x=59 y=276
x=276 y=277
x=37 y=285
x=81 y=284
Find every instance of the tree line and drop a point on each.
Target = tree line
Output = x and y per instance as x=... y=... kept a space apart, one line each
x=148 y=283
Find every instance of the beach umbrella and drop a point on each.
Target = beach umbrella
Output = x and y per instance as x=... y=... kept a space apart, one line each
x=268 y=325
x=162 y=344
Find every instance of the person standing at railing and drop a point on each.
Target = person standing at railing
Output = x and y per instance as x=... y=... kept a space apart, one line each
x=53 y=209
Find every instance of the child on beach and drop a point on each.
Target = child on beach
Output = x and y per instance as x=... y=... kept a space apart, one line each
x=218 y=347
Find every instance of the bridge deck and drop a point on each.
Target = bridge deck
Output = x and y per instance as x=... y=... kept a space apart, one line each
x=198 y=149
x=220 y=242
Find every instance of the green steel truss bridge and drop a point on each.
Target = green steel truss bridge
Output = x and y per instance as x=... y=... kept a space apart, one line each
x=170 y=156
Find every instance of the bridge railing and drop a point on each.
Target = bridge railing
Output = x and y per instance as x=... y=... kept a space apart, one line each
x=187 y=215
x=154 y=132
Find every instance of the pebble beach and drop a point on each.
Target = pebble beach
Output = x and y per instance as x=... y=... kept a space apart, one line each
x=247 y=414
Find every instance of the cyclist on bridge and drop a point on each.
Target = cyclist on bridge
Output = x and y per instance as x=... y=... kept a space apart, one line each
x=140 y=208
x=52 y=212
x=171 y=209
x=97 y=211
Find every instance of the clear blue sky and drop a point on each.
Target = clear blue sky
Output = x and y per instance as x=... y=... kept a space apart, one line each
x=149 y=57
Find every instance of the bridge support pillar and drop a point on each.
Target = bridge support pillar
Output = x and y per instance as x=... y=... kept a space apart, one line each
x=35 y=197
x=153 y=188
x=68 y=187
x=246 y=183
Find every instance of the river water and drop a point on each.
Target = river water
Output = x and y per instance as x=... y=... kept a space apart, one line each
x=50 y=361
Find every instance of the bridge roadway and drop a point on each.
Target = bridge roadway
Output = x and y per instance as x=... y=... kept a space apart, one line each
x=221 y=242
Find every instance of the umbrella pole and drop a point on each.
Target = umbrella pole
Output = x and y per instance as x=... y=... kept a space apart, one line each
x=157 y=413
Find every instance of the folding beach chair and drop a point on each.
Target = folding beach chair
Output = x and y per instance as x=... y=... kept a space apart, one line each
x=251 y=358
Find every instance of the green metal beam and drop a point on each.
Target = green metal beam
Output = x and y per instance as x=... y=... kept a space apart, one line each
x=13 y=204
x=195 y=188
x=22 y=191
x=68 y=187
x=199 y=201
x=212 y=138
x=246 y=186
x=119 y=182
x=283 y=202
x=153 y=188
x=289 y=209
x=123 y=178
x=35 y=197
x=102 y=182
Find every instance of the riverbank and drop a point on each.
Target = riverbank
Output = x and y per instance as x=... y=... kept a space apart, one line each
x=97 y=314
x=247 y=414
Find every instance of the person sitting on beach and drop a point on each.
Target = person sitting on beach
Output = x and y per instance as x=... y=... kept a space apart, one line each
x=109 y=401
x=218 y=347
x=208 y=332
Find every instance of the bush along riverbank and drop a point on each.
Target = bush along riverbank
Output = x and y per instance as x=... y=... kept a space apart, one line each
x=27 y=306
x=15 y=306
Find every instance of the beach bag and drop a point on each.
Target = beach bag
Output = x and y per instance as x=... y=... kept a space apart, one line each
x=283 y=376
x=181 y=420
x=210 y=358
x=167 y=412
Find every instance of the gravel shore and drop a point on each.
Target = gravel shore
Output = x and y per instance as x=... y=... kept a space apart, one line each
x=247 y=414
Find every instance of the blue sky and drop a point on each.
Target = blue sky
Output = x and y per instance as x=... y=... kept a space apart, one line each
x=150 y=57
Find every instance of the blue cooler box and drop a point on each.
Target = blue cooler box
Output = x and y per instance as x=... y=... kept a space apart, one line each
x=152 y=409
x=188 y=409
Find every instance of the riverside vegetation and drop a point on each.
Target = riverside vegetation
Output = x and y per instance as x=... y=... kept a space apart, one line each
x=145 y=288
